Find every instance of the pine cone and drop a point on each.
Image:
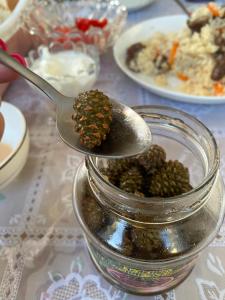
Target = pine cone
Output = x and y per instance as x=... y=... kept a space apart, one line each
x=93 y=214
x=139 y=194
x=153 y=159
x=117 y=167
x=171 y=180
x=147 y=241
x=93 y=117
x=132 y=181
x=127 y=246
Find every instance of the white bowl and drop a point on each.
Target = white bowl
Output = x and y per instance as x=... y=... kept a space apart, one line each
x=69 y=67
x=17 y=137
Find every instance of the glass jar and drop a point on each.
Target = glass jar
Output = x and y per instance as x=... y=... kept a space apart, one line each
x=150 y=245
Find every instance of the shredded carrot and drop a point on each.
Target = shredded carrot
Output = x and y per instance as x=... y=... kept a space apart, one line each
x=173 y=53
x=218 y=89
x=182 y=76
x=213 y=9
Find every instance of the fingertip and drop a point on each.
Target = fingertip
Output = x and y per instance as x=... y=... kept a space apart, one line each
x=7 y=74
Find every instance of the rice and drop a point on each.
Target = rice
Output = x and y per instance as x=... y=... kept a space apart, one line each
x=193 y=63
x=4 y=11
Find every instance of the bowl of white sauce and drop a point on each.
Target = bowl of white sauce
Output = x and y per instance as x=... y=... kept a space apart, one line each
x=71 y=68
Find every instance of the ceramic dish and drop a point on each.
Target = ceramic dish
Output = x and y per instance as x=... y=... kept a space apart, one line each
x=69 y=20
x=17 y=138
x=144 y=31
x=136 y=4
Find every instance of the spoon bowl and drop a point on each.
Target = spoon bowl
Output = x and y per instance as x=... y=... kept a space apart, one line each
x=129 y=134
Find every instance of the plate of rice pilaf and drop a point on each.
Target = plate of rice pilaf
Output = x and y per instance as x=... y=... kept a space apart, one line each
x=178 y=57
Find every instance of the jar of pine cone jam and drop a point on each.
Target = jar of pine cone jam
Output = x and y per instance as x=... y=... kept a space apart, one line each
x=147 y=219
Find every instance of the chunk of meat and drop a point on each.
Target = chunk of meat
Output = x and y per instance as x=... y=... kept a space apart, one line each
x=161 y=63
x=220 y=41
x=218 y=71
x=132 y=53
x=196 y=25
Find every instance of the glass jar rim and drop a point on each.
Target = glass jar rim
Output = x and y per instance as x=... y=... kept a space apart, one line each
x=170 y=200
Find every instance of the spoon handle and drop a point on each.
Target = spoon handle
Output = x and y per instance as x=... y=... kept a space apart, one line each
x=183 y=7
x=40 y=83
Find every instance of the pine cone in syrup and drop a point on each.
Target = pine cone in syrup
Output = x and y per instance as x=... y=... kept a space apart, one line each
x=116 y=167
x=132 y=181
x=93 y=213
x=171 y=180
x=153 y=159
x=93 y=117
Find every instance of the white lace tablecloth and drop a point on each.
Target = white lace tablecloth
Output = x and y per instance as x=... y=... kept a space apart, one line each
x=42 y=250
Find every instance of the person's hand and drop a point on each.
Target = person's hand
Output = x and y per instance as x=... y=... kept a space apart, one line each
x=7 y=75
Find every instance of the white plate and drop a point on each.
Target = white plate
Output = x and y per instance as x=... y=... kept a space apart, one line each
x=144 y=31
x=135 y=4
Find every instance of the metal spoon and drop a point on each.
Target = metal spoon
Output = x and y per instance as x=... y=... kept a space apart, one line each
x=129 y=134
x=183 y=7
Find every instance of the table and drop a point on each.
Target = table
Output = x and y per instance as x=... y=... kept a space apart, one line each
x=42 y=251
